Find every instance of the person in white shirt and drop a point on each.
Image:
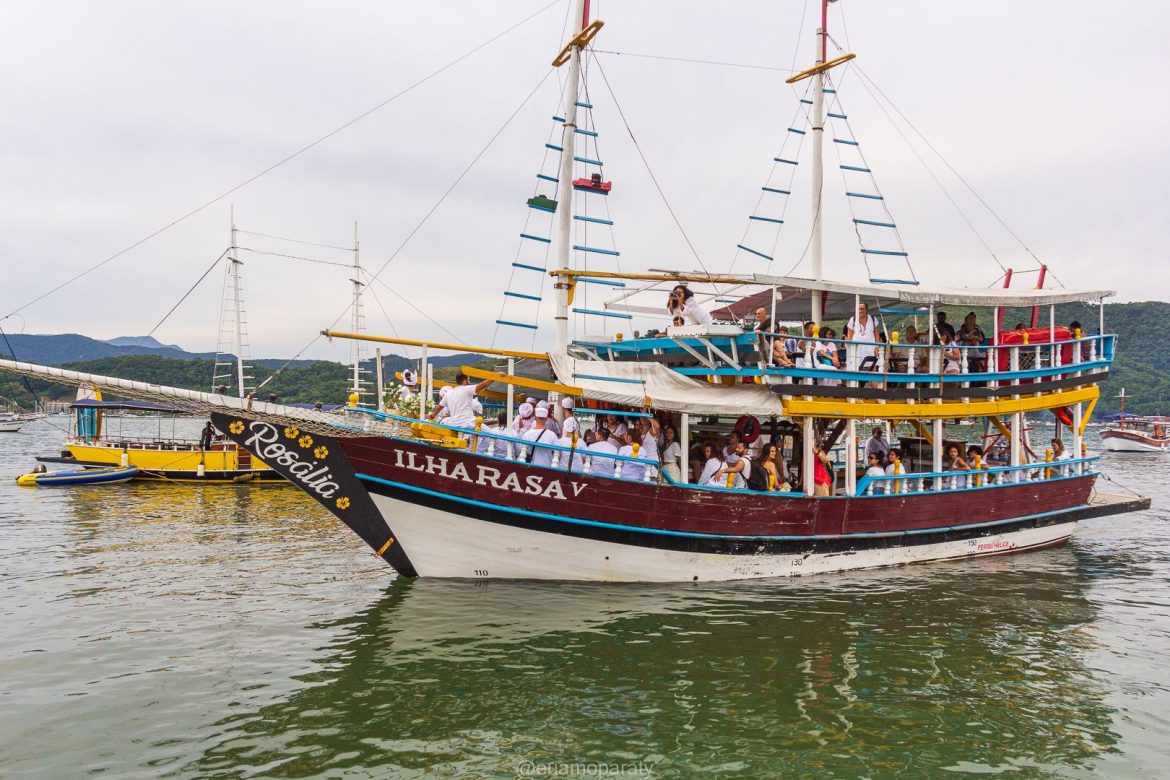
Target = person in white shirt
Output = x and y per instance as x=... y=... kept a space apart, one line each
x=711 y=464
x=672 y=454
x=409 y=385
x=458 y=402
x=635 y=472
x=875 y=470
x=617 y=430
x=540 y=434
x=863 y=328
x=737 y=464
x=524 y=419
x=682 y=303
x=600 y=464
x=551 y=422
x=876 y=445
x=570 y=424
x=647 y=429
x=497 y=447
x=578 y=461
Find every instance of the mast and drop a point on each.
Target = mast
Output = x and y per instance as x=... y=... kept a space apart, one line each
x=237 y=309
x=565 y=183
x=818 y=172
x=357 y=324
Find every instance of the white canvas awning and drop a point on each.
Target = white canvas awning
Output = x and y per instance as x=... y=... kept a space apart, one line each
x=631 y=383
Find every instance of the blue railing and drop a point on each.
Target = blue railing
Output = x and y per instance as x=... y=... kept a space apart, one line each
x=974 y=479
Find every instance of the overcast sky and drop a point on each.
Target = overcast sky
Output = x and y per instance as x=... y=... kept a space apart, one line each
x=120 y=117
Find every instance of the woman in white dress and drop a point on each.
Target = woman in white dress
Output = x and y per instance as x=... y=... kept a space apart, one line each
x=711 y=464
x=672 y=454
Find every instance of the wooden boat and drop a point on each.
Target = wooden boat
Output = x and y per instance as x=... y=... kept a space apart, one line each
x=460 y=501
x=1135 y=433
x=83 y=476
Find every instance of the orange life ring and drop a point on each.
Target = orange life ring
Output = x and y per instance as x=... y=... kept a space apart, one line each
x=1064 y=414
x=748 y=428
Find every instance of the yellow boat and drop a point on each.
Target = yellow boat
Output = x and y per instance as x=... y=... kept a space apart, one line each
x=170 y=459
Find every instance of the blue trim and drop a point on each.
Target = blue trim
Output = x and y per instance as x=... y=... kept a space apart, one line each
x=773 y=189
x=596 y=313
x=875 y=224
x=525 y=296
x=806 y=101
x=598 y=220
x=913 y=282
x=904 y=311
x=622 y=380
x=864 y=483
x=582 y=131
x=516 y=324
x=587 y=161
x=541 y=239
x=857 y=168
x=845 y=141
x=768 y=219
x=542 y=208
x=794 y=130
x=837 y=116
x=543 y=177
x=786 y=162
x=699 y=535
x=559 y=119
x=611 y=252
x=594 y=190
x=606 y=282
x=884 y=252
x=554 y=147
x=754 y=252
x=527 y=267
x=829 y=91
x=580 y=104
x=864 y=195
x=922 y=379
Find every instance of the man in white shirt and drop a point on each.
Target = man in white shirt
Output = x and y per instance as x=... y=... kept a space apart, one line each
x=876 y=445
x=458 y=402
x=550 y=422
x=598 y=450
x=540 y=434
x=570 y=424
x=862 y=328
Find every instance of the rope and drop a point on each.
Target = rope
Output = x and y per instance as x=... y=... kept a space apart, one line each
x=694 y=62
x=295 y=240
x=281 y=162
x=296 y=257
x=1123 y=487
x=653 y=178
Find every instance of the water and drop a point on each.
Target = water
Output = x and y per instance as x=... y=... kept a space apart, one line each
x=174 y=631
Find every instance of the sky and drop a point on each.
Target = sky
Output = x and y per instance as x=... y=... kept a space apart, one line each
x=120 y=119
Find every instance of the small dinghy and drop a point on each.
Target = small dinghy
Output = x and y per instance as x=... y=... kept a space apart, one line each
x=78 y=477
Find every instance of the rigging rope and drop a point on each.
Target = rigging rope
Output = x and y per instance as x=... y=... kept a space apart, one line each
x=694 y=62
x=297 y=257
x=281 y=162
x=653 y=178
x=295 y=240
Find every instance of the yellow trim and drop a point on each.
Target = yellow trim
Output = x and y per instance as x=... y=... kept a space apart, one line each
x=843 y=409
x=579 y=40
x=804 y=74
x=1003 y=429
x=385 y=547
x=521 y=381
x=336 y=334
x=1085 y=415
x=921 y=430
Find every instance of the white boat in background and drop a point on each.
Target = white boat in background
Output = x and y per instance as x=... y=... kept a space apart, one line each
x=10 y=423
x=1132 y=433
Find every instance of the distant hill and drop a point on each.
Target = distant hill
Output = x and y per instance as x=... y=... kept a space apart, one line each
x=142 y=341
x=56 y=349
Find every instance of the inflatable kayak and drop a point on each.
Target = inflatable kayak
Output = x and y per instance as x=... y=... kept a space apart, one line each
x=79 y=477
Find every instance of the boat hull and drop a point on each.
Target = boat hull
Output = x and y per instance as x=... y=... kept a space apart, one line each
x=106 y=476
x=448 y=544
x=1132 y=441
x=10 y=427
x=163 y=462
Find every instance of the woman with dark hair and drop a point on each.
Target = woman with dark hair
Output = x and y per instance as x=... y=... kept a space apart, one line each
x=682 y=303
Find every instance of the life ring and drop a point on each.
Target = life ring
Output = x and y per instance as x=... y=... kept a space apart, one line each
x=748 y=428
x=1064 y=415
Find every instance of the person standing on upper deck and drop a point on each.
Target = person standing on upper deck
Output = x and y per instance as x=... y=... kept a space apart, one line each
x=863 y=328
x=877 y=445
x=763 y=323
x=941 y=326
x=458 y=402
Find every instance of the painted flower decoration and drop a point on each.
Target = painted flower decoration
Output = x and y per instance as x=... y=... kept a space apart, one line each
x=291 y=432
x=305 y=441
x=343 y=502
x=236 y=427
x=321 y=453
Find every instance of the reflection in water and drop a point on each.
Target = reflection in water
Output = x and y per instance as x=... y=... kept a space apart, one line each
x=972 y=666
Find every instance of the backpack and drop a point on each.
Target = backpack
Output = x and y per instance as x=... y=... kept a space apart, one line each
x=757 y=478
